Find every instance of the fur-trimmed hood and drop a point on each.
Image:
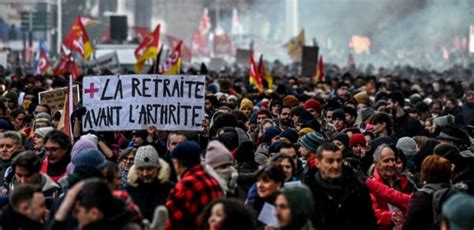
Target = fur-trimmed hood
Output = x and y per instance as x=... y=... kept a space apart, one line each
x=163 y=174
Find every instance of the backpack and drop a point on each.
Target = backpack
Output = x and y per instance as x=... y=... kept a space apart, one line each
x=440 y=193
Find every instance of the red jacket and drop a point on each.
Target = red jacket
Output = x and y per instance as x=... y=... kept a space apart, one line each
x=380 y=204
x=191 y=194
x=390 y=195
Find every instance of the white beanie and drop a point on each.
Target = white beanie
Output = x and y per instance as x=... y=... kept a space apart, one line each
x=147 y=156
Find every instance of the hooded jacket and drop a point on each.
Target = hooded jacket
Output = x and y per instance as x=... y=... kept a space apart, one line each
x=49 y=188
x=149 y=195
x=301 y=205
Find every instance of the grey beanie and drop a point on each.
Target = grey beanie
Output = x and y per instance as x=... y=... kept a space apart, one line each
x=442 y=121
x=147 y=156
x=43 y=117
x=407 y=145
x=217 y=154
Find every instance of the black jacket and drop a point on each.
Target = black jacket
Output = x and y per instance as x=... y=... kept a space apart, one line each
x=14 y=220
x=149 y=195
x=420 y=210
x=406 y=126
x=345 y=204
x=257 y=204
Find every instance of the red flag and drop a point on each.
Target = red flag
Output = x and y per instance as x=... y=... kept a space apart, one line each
x=147 y=49
x=141 y=32
x=78 y=40
x=254 y=77
x=319 y=75
x=67 y=64
x=185 y=51
x=172 y=65
x=267 y=79
x=43 y=63
x=205 y=23
x=199 y=45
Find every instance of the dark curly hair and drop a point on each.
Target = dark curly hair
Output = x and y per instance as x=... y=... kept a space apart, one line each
x=237 y=215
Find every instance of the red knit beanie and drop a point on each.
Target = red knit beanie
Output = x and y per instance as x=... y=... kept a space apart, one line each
x=357 y=138
x=314 y=104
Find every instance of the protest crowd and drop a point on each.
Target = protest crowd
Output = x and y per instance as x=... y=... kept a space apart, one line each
x=384 y=149
x=242 y=147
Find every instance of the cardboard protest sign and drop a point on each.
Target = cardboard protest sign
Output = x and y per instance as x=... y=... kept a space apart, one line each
x=107 y=62
x=242 y=57
x=132 y=102
x=55 y=98
x=310 y=58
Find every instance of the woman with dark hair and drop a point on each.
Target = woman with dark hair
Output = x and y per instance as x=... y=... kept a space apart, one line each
x=125 y=162
x=229 y=214
x=435 y=175
x=287 y=165
x=269 y=181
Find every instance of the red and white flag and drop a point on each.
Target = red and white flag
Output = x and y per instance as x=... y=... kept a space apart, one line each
x=43 y=63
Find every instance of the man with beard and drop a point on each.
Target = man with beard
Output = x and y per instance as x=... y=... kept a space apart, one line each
x=386 y=174
x=404 y=125
x=148 y=180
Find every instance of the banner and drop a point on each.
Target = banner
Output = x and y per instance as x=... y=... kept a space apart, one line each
x=242 y=57
x=471 y=39
x=109 y=61
x=134 y=102
x=295 y=47
x=55 y=98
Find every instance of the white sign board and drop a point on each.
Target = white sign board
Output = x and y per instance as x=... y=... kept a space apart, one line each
x=4 y=59
x=133 y=102
x=109 y=62
x=471 y=39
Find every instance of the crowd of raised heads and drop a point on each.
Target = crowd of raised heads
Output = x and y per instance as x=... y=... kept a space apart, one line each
x=362 y=149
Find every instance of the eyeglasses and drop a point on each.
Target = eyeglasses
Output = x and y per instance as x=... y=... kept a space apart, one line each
x=128 y=159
